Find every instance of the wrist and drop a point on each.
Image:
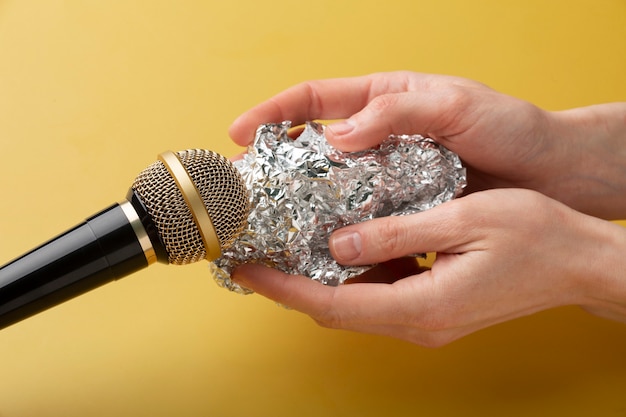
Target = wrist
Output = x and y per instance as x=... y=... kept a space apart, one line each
x=591 y=149
x=604 y=280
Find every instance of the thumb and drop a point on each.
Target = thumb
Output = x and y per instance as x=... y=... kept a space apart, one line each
x=426 y=113
x=446 y=228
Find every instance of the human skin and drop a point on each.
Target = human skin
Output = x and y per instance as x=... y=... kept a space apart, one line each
x=541 y=185
x=574 y=156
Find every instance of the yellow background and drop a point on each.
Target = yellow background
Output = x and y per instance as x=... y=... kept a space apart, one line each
x=92 y=91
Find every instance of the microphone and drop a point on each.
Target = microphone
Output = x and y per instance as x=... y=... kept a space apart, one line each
x=185 y=207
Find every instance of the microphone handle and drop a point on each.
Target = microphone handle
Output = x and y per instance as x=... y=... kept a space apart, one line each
x=105 y=247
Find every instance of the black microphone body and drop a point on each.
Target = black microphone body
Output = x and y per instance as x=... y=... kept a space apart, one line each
x=103 y=248
x=181 y=209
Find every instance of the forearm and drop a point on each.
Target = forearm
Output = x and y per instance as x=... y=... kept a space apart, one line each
x=604 y=266
x=593 y=142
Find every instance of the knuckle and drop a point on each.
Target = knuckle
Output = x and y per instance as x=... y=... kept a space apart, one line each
x=314 y=103
x=328 y=315
x=456 y=93
x=392 y=237
x=455 y=103
x=459 y=215
x=382 y=103
x=457 y=97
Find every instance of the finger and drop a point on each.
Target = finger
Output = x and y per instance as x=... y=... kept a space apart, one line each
x=408 y=310
x=321 y=99
x=345 y=306
x=417 y=335
x=374 y=107
x=281 y=287
x=335 y=98
x=449 y=227
x=438 y=112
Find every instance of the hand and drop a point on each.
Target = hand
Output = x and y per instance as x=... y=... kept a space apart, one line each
x=574 y=156
x=501 y=254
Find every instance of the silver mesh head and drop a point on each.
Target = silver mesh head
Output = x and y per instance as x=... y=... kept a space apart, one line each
x=222 y=190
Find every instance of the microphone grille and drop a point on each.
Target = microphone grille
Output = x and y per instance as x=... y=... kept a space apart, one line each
x=221 y=188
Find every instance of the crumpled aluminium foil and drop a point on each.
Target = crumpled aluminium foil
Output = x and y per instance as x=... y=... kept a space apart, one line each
x=303 y=189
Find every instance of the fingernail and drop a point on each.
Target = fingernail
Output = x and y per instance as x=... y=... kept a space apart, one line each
x=342 y=128
x=346 y=246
